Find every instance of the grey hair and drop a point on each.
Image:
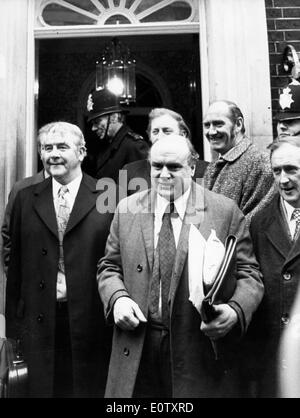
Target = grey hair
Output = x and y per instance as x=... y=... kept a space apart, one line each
x=63 y=129
x=292 y=140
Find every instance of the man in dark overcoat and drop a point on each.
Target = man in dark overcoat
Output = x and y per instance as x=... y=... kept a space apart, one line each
x=275 y=236
x=52 y=304
x=118 y=144
x=166 y=351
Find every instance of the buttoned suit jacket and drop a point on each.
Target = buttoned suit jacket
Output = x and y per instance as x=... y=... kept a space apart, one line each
x=31 y=286
x=279 y=259
x=127 y=268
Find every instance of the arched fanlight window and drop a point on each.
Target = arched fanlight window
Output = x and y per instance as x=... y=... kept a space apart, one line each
x=113 y=12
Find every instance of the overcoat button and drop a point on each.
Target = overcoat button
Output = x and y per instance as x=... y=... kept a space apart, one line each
x=139 y=268
x=42 y=284
x=285 y=319
x=287 y=276
x=40 y=318
x=44 y=251
x=126 y=352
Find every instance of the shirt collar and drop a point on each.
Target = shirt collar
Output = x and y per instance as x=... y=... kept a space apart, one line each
x=73 y=186
x=180 y=204
x=289 y=209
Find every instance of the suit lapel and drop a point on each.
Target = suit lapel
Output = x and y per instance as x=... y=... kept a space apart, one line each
x=85 y=201
x=44 y=206
x=276 y=230
x=294 y=251
x=195 y=212
x=277 y=233
x=146 y=224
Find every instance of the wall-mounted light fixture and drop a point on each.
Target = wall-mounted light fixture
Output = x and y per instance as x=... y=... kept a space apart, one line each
x=115 y=70
x=290 y=62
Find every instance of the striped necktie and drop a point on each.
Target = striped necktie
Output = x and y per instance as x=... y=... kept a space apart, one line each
x=163 y=266
x=296 y=217
x=63 y=214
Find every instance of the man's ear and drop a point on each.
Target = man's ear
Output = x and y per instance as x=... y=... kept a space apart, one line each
x=115 y=117
x=193 y=168
x=239 y=124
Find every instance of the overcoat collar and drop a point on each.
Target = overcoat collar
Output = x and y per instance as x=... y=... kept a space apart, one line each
x=112 y=147
x=276 y=232
x=84 y=203
x=235 y=152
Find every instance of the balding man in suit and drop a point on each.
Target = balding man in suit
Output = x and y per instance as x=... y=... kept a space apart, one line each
x=163 y=122
x=161 y=347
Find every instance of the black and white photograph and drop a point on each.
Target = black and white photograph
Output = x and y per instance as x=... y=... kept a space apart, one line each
x=150 y=201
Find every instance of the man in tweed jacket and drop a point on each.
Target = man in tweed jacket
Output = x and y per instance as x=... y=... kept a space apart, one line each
x=242 y=172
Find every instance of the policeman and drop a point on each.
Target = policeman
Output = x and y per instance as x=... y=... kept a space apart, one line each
x=288 y=117
x=119 y=144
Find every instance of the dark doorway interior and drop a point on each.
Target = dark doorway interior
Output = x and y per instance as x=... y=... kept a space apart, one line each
x=167 y=75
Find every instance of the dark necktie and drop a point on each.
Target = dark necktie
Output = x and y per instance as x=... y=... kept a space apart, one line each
x=63 y=214
x=163 y=266
x=219 y=164
x=213 y=172
x=296 y=216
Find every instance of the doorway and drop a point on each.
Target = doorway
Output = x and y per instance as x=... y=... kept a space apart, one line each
x=167 y=75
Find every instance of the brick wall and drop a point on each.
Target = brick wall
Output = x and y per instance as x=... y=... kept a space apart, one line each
x=283 y=20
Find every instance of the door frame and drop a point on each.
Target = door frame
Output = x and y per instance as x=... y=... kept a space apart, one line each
x=39 y=33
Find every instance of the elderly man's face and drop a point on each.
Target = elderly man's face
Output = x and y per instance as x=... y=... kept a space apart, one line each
x=163 y=126
x=288 y=127
x=285 y=163
x=170 y=172
x=218 y=128
x=62 y=157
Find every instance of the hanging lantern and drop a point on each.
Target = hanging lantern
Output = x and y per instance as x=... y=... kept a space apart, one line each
x=115 y=71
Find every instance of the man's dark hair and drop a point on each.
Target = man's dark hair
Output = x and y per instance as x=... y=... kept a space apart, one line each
x=235 y=113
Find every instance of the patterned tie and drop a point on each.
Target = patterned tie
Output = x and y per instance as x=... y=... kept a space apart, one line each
x=163 y=266
x=63 y=214
x=296 y=216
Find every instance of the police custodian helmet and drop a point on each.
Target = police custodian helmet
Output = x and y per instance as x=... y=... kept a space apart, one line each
x=103 y=102
x=289 y=101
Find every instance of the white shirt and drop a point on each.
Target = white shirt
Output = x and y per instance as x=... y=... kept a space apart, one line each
x=288 y=210
x=70 y=196
x=176 y=218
